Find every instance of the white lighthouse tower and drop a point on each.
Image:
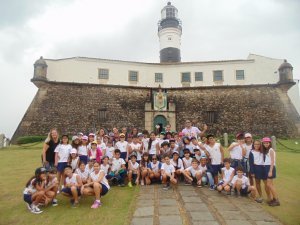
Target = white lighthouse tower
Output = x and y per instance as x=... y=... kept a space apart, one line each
x=169 y=32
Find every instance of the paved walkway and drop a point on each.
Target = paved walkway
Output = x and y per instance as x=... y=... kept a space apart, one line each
x=185 y=205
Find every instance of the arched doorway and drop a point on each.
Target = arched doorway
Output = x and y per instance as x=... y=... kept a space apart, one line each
x=161 y=121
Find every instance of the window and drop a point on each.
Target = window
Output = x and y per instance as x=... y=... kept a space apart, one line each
x=103 y=73
x=218 y=75
x=211 y=117
x=133 y=76
x=186 y=77
x=198 y=76
x=158 y=77
x=239 y=75
x=170 y=12
x=102 y=115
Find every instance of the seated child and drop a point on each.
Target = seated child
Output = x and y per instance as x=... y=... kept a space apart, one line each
x=133 y=171
x=105 y=165
x=83 y=172
x=154 y=168
x=52 y=185
x=72 y=187
x=178 y=164
x=118 y=169
x=144 y=171
x=193 y=173
x=241 y=185
x=227 y=175
x=207 y=177
x=168 y=173
x=90 y=166
x=97 y=185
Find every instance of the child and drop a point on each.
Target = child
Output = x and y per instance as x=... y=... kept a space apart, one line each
x=206 y=175
x=52 y=185
x=74 y=159
x=83 y=172
x=178 y=165
x=118 y=169
x=153 y=145
x=97 y=185
x=154 y=168
x=193 y=173
x=135 y=148
x=187 y=160
x=248 y=147
x=165 y=149
x=105 y=165
x=83 y=150
x=109 y=151
x=173 y=146
x=216 y=153
x=167 y=173
x=241 y=185
x=188 y=145
x=144 y=169
x=256 y=161
x=75 y=142
x=100 y=144
x=237 y=151
x=62 y=155
x=133 y=171
x=73 y=185
x=227 y=175
x=269 y=172
x=122 y=146
x=34 y=192
x=95 y=152
x=90 y=166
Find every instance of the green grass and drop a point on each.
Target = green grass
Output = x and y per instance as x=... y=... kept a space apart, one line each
x=17 y=166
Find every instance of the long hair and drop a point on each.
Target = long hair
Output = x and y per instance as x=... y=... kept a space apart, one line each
x=143 y=162
x=37 y=180
x=265 y=150
x=150 y=141
x=49 y=137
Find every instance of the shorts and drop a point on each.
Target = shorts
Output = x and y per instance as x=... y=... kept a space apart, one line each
x=104 y=190
x=134 y=177
x=245 y=191
x=83 y=158
x=222 y=182
x=258 y=171
x=61 y=166
x=27 y=198
x=123 y=155
x=266 y=170
x=67 y=190
x=216 y=169
x=235 y=163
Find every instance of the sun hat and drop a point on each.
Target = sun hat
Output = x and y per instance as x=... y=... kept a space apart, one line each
x=266 y=139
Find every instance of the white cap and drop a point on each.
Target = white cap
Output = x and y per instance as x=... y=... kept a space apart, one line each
x=73 y=151
x=248 y=135
x=74 y=138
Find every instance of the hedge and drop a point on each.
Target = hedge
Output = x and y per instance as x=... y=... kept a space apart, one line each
x=30 y=139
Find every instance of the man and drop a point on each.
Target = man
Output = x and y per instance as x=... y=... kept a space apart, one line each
x=191 y=131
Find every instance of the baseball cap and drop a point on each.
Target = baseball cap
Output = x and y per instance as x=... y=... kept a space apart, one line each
x=122 y=135
x=91 y=134
x=248 y=135
x=74 y=138
x=85 y=137
x=73 y=151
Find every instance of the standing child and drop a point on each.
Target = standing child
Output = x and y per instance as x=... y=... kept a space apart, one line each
x=74 y=159
x=97 y=185
x=256 y=161
x=83 y=172
x=167 y=173
x=227 y=175
x=83 y=150
x=73 y=185
x=237 y=151
x=270 y=169
x=118 y=168
x=153 y=145
x=62 y=155
x=122 y=145
x=133 y=171
x=109 y=151
x=144 y=169
x=135 y=147
x=52 y=185
x=154 y=168
x=34 y=193
x=95 y=152
x=241 y=185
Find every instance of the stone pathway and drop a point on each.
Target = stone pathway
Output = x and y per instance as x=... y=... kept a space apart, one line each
x=185 y=205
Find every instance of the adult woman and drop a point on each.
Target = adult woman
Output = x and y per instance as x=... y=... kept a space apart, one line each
x=50 y=144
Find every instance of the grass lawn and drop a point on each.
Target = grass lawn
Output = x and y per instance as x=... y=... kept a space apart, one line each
x=18 y=165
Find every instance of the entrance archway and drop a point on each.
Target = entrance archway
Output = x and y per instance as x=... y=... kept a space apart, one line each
x=161 y=121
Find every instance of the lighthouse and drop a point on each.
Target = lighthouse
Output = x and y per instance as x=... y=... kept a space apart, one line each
x=169 y=33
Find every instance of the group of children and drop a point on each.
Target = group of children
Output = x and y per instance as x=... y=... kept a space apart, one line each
x=90 y=164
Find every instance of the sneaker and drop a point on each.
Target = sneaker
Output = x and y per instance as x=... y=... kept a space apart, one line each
x=122 y=185
x=35 y=209
x=275 y=203
x=114 y=180
x=28 y=206
x=96 y=205
x=54 y=202
x=142 y=182
x=72 y=201
x=259 y=200
x=212 y=187
x=75 y=204
x=166 y=187
x=129 y=184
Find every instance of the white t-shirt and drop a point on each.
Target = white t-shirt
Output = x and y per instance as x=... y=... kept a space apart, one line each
x=145 y=144
x=63 y=152
x=136 y=148
x=268 y=158
x=72 y=180
x=236 y=152
x=84 y=174
x=152 y=149
x=258 y=157
x=30 y=189
x=95 y=177
x=117 y=164
x=193 y=171
x=90 y=170
x=168 y=168
x=102 y=146
x=179 y=164
x=227 y=173
x=110 y=152
x=203 y=168
x=248 y=149
x=105 y=168
x=82 y=150
x=215 y=153
x=155 y=167
x=244 y=179
x=187 y=162
x=74 y=163
x=51 y=182
x=190 y=147
x=134 y=166
x=175 y=149
x=122 y=145
x=191 y=132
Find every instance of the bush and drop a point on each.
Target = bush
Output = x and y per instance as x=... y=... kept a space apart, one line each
x=30 y=139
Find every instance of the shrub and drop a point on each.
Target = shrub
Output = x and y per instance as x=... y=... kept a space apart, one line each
x=30 y=139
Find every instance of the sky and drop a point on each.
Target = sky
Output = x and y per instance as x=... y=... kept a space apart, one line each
x=127 y=30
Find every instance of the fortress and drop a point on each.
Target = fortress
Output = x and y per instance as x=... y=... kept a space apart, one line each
x=257 y=94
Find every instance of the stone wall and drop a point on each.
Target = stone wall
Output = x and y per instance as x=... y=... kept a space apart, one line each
x=75 y=107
